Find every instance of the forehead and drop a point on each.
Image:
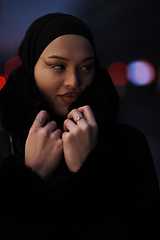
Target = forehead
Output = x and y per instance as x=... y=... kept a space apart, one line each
x=70 y=44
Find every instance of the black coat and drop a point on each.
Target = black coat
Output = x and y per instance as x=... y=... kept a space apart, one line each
x=113 y=196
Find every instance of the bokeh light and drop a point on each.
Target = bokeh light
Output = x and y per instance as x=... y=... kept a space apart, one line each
x=11 y=64
x=119 y=73
x=3 y=80
x=142 y=73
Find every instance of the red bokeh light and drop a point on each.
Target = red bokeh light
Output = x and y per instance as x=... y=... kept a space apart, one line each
x=119 y=73
x=3 y=80
x=11 y=64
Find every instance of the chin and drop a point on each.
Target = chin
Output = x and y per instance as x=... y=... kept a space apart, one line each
x=61 y=112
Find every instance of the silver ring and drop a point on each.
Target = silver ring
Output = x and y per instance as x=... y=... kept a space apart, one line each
x=79 y=118
x=40 y=120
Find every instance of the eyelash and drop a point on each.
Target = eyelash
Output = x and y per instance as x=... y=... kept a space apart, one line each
x=89 y=67
x=62 y=67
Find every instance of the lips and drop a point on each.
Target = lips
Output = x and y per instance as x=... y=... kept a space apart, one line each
x=69 y=97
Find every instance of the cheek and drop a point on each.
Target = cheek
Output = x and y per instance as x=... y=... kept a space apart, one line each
x=46 y=81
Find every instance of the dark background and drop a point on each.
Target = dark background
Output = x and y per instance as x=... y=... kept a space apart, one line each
x=124 y=30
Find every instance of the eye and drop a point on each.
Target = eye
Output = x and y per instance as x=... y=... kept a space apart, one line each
x=58 y=67
x=87 y=68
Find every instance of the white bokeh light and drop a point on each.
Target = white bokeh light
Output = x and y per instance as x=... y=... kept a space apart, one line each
x=142 y=73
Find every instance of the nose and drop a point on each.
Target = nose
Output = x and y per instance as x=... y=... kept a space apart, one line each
x=72 y=80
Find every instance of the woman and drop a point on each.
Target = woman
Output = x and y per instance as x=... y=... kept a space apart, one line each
x=75 y=172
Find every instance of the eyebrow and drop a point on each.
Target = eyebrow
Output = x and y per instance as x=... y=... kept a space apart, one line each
x=58 y=57
x=65 y=59
x=87 y=59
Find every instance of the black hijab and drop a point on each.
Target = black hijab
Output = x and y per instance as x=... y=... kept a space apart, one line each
x=43 y=31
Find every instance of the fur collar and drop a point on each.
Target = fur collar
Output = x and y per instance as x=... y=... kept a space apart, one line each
x=20 y=102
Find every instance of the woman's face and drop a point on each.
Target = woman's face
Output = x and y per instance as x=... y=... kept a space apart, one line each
x=63 y=71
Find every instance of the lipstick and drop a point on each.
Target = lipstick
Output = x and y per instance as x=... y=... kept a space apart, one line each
x=69 y=97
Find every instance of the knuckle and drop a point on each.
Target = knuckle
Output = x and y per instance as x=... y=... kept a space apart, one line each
x=67 y=137
x=59 y=144
x=59 y=131
x=56 y=134
x=87 y=107
x=77 y=131
x=53 y=124
x=66 y=121
x=86 y=127
x=95 y=127
x=73 y=110
x=43 y=132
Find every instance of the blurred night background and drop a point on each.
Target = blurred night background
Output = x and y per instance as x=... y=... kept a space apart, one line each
x=127 y=39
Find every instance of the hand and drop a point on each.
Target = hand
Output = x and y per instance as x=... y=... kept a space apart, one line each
x=44 y=147
x=80 y=137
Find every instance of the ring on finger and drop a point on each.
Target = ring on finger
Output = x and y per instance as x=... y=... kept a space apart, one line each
x=79 y=118
x=40 y=120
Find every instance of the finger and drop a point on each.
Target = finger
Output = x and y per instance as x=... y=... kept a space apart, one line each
x=40 y=120
x=69 y=125
x=57 y=133
x=88 y=114
x=50 y=126
x=76 y=115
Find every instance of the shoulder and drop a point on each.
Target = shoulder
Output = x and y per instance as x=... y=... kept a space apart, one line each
x=131 y=147
x=127 y=133
x=127 y=144
x=130 y=143
x=126 y=129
